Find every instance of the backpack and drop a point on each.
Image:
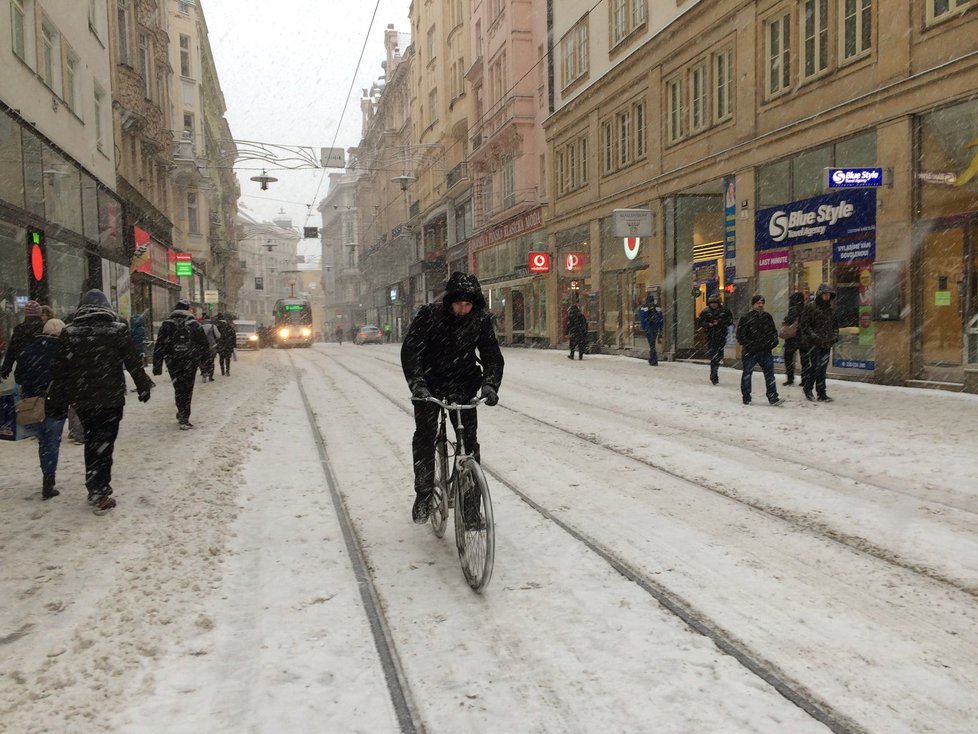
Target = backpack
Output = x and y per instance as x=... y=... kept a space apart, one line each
x=182 y=339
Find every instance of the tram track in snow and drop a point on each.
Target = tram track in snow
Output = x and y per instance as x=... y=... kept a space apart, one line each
x=406 y=710
x=767 y=671
x=796 y=519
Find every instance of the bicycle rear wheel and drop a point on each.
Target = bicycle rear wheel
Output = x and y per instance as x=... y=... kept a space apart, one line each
x=475 y=532
x=439 y=494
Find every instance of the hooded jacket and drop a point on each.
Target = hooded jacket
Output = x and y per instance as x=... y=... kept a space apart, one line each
x=88 y=363
x=439 y=350
x=163 y=350
x=576 y=324
x=714 y=321
x=818 y=326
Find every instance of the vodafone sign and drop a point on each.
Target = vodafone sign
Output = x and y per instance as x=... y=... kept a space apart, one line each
x=631 y=246
x=539 y=262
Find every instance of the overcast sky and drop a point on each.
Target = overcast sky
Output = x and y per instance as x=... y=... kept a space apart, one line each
x=285 y=69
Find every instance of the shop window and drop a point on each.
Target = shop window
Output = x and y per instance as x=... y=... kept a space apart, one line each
x=62 y=190
x=11 y=152
x=856 y=25
x=777 y=43
x=808 y=173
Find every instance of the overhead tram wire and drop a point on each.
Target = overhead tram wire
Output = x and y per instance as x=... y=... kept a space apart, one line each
x=346 y=102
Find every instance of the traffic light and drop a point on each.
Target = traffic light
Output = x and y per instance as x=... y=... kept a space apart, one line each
x=729 y=288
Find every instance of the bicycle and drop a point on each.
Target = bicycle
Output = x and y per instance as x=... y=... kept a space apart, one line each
x=465 y=490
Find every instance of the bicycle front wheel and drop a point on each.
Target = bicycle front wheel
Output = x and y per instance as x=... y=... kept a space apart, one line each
x=475 y=533
x=439 y=494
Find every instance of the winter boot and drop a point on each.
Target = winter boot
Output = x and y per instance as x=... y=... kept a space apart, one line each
x=47 y=488
x=422 y=507
x=101 y=502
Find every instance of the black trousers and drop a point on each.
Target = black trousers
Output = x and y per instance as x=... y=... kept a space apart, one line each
x=790 y=347
x=578 y=344
x=225 y=360
x=101 y=426
x=715 y=347
x=818 y=363
x=183 y=378
x=207 y=368
x=425 y=429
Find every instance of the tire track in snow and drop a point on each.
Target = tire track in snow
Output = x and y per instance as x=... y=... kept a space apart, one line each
x=798 y=520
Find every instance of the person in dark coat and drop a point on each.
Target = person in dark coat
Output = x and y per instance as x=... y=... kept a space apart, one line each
x=213 y=335
x=226 y=344
x=22 y=335
x=652 y=321
x=714 y=320
x=87 y=374
x=439 y=359
x=818 y=330
x=34 y=373
x=339 y=334
x=796 y=302
x=758 y=335
x=577 y=330
x=182 y=345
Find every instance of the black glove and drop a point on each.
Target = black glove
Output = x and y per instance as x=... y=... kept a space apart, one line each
x=144 y=396
x=420 y=392
x=157 y=370
x=490 y=395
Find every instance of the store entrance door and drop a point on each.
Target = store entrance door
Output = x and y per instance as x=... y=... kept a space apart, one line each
x=944 y=294
x=519 y=316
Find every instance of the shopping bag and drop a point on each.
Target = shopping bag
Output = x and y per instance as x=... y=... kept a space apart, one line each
x=30 y=410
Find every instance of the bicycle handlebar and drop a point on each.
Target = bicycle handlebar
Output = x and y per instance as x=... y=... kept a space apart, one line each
x=449 y=406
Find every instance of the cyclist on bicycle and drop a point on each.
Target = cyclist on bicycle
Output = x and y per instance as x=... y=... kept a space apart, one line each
x=439 y=359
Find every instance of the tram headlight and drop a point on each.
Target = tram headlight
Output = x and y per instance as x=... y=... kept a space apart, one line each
x=284 y=333
x=253 y=337
x=307 y=332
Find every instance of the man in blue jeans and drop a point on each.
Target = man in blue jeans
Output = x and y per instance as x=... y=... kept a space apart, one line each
x=758 y=335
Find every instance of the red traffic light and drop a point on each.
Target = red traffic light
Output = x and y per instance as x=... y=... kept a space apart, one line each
x=729 y=288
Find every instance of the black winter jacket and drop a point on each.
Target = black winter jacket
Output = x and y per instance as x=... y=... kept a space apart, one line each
x=87 y=372
x=439 y=352
x=818 y=327
x=35 y=364
x=20 y=337
x=163 y=350
x=756 y=332
x=715 y=323
x=577 y=325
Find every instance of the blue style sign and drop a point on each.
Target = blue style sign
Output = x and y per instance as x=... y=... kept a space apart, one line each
x=836 y=216
x=853 y=178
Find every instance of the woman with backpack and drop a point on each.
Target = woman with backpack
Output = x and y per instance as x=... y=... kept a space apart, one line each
x=33 y=374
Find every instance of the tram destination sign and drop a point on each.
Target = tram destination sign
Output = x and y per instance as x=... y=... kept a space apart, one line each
x=853 y=178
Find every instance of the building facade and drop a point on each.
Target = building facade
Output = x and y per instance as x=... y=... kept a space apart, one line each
x=267 y=254
x=724 y=122
x=61 y=220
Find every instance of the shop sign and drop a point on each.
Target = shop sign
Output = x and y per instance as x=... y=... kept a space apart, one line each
x=729 y=219
x=631 y=247
x=831 y=217
x=573 y=262
x=854 y=364
x=213 y=297
x=853 y=178
x=539 y=262
x=772 y=260
x=864 y=249
x=185 y=266
x=632 y=223
x=515 y=227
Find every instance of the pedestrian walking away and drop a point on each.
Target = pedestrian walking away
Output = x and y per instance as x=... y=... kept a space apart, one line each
x=213 y=336
x=181 y=344
x=226 y=343
x=652 y=321
x=87 y=374
x=137 y=327
x=339 y=334
x=819 y=331
x=577 y=331
x=715 y=320
x=758 y=335
x=438 y=357
x=34 y=372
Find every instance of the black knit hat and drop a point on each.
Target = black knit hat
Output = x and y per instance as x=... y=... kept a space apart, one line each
x=754 y=299
x=183 y=305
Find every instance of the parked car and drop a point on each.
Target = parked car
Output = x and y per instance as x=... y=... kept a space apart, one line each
x=368 y=335
x=247 y=335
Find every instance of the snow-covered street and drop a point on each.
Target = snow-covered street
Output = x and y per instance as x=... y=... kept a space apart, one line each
x=668 y=560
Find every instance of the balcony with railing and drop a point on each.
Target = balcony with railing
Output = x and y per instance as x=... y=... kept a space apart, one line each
x=502 y=123
x=459 y=173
